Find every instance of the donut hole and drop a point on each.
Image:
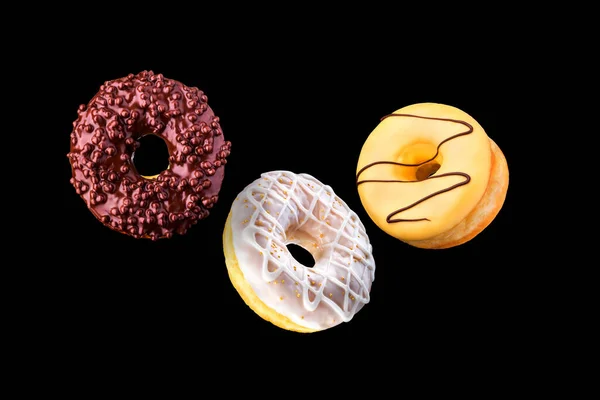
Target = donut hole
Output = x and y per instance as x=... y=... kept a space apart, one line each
x=426 y=170
x=151 y=157
x=301 y=255
x=420 y=161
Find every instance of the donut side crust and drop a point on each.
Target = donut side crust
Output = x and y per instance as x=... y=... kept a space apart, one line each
x=245 y=290
x=484 y=212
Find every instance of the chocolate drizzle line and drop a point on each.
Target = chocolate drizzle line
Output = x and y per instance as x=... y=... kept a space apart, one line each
x=464 y=182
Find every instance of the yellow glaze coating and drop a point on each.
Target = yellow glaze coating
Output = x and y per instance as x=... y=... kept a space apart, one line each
x=413 y=140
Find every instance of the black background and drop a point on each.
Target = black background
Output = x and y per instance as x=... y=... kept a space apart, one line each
x=306 y=106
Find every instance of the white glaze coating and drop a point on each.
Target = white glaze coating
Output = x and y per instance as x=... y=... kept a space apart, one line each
x=281 y=208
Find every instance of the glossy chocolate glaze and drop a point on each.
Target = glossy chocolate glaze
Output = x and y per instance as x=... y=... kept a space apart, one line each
x=105 y=136
x=467 y=178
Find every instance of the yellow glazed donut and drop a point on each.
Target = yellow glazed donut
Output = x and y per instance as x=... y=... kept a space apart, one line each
x=281 y=208
x=430 y=176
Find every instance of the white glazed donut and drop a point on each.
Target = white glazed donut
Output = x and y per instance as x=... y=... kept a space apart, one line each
x=282 y=208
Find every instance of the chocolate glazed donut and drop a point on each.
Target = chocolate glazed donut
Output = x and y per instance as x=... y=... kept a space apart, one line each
x=105 y=136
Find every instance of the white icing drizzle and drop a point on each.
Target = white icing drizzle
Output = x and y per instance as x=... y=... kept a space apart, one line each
x=281 y=208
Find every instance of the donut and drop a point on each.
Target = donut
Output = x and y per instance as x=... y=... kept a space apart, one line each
x=429 y=175
x=280 y=208
x=105 y=136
